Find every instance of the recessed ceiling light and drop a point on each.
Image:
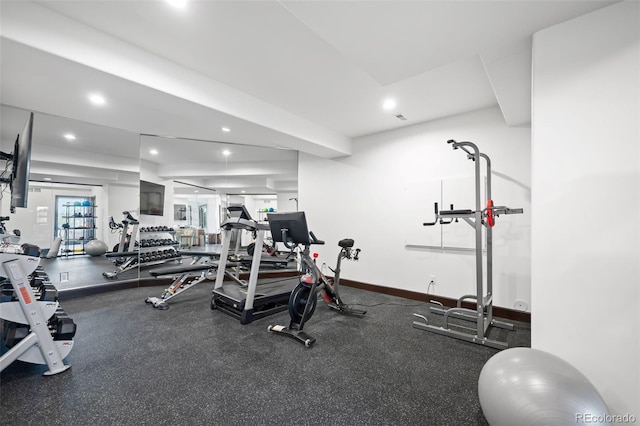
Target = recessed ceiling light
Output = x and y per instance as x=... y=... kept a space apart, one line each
x=97 y=99
x=226 y=129
x=69 y=136
x=243 y=191
x=47 y=178
x=177 y=3
x=389 y=104
x=196 y=191
x=153 y=151
x=226 y=153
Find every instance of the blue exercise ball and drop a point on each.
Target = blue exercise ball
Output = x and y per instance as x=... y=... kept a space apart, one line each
x=95 y=248
x=524 y=386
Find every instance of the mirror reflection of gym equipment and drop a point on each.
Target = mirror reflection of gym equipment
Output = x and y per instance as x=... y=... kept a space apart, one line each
x=244 y=299
x=78 y=216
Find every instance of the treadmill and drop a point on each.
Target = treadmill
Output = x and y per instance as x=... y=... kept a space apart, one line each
x=251 y=300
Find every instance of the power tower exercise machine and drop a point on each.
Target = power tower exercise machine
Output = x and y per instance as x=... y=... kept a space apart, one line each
x=250 y=300
x=34 y=327
x=291 y=229
x=479 y=218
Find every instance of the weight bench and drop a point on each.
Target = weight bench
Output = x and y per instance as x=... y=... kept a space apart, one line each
x=188 y=276
x=197 y=255
x=125 y=261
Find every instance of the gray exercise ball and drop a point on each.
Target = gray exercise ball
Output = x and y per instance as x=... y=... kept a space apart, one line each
x=524 y=386
x=95 y=248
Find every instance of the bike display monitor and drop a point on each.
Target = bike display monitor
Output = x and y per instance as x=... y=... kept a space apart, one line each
x=294 y=223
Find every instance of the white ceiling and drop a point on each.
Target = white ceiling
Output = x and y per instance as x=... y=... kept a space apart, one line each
x=305 y=75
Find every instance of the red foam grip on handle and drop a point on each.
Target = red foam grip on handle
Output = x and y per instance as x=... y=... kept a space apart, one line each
x=490 y=218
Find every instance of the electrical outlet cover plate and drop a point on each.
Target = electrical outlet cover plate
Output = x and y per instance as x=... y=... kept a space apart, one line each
x=520 y=305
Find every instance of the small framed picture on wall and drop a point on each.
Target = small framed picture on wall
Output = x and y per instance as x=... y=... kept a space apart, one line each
x=179 y=212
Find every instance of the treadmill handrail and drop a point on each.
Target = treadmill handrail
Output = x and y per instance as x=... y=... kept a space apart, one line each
x=238 y=223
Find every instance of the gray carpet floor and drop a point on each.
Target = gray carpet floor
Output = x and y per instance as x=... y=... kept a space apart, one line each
x=189 y=365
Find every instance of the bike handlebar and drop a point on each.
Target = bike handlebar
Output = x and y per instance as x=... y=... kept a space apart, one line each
x=292 y=244
x=315 y=240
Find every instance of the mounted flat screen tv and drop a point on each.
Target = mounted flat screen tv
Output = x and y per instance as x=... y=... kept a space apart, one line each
x=151 y=198
x=20 y=160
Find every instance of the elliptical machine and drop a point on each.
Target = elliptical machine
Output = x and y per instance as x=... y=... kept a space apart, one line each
x=291 y=230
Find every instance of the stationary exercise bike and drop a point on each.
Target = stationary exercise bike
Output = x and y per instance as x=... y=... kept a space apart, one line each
x=291 y=230
x=125 y=244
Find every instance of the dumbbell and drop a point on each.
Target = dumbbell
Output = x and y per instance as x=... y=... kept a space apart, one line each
x=62 y=326
x=6 y=293
x=48 y=293
x=14 y=332
x=37 y=280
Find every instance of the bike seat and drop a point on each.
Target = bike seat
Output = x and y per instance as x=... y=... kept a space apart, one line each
x=346 y=243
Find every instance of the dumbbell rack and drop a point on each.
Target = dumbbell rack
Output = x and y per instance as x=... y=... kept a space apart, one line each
x=35 y=329
x=147 y=252
x=155 y=247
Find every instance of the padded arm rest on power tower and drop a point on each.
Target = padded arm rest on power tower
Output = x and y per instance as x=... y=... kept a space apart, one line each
x=435 y=208
x=180 y=269
x=125 y=254
x=456 y=212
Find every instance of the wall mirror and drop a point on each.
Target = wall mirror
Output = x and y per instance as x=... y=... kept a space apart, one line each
x=201 y=178
x=84 y=177
x=81 y=176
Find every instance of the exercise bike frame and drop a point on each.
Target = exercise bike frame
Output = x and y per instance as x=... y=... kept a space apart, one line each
x=318 y=282
x=127 y=240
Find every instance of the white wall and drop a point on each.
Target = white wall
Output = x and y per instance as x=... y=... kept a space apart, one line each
x=586 y=191
x=285 y=203
x=375 y=196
